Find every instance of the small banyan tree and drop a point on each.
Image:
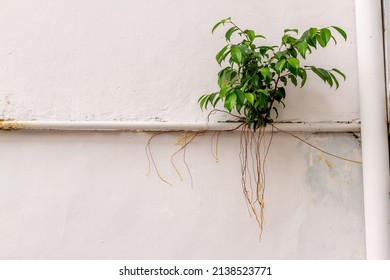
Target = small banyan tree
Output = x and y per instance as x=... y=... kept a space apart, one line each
x=253 y=82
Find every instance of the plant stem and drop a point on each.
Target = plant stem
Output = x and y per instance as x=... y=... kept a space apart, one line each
x=242 y=32
x=274 y=93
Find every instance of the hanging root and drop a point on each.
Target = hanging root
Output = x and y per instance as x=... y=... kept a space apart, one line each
x=254 y=150
x=216 y=135
x=253 y=155
x=184 y=141
x=151 y=160
x=315 y=147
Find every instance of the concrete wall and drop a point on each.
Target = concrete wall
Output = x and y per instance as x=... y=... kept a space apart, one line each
x=86 y=195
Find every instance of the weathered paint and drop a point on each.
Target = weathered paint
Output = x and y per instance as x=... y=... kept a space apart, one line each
x=339 y=186
x=11 y=125
x=139 y=126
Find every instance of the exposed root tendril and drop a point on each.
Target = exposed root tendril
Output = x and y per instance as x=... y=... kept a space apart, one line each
x=151 y=160
x=315 y=147
x=253 y=154
x=184 y=140
x=216 y=135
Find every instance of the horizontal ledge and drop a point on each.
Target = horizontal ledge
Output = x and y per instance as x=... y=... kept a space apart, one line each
x=171 y=126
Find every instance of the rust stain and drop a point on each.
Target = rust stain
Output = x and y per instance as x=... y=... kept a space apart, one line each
x=327 y=162
x=11 y=125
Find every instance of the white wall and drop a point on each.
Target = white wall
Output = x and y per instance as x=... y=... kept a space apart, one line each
x=86 y=195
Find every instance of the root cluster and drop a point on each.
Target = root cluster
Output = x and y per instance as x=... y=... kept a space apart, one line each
x=254 y=149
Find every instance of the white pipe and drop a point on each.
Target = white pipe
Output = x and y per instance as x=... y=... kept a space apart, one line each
x=374 y=128
x=169 y=126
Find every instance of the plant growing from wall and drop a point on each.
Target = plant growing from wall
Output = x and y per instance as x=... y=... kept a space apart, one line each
x=253 y=82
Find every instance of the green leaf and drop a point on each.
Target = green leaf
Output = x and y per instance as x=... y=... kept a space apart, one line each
x=261 y=100
x=313 y=32
x=325 y=35
x=225 y=20
x=312 y=42
x=276 y=111
x=334 y=40
x=280 y=65
x=303 y=75
x=255 y=81
x=264 y=49
x=240 y=97
x=334 y=79
x=245 y=84
x=233 y=76
x=216 y=101
x=284 y=80
x=259 y=36
x=225 y=55
x=263 y=91
x=236 y=55
x=292 y=52
x=341 y=31
x=291 y=30
x=225 y=87
x=251 y=34
x=280 y=94
x=302 y=48
x=287 y=39
x=293 y=80
x=216 y=26
x=244 y=49
x=210 y=99
x=320 y=41
x=340 y=73
x=319 y=75
x=202 y=100
x=230 y=101
x=294 y=62
x=224 y=75
x=322 y=73
x=230 y=32
x=220 y=54
x=279 y=55
x=305 y=35
x=250 y=98
x=329 y=79
x=264 y=72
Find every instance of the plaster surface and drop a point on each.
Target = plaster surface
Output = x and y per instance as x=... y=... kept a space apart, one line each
x=87 y=196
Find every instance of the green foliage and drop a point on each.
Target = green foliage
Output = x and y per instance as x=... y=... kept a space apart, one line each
x=256 y=75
